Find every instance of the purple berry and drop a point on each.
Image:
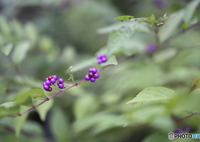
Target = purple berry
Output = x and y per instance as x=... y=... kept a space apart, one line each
x=151 y=47
x=47 y=79
x=102 y=55
x=177 y=131
x=61 y=86
x=53 y=80
x=90 y=70
x=61 y=80
x=90 y=74
x=55 y=77
x=104 y=59
x=46 y=87
x=96 y=75
x=87 y=77
x=186 y=128
x=92 y=79
x=48 y=82
x=44 y=83
x=99 y=61
x=94 y=70
x=99 y=57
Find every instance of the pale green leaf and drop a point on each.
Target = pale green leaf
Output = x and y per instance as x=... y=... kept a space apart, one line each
x=111 y=61
x=31 y=32
x=118 y=37
x=8 y=104
x=44 y=108
x=7 y=48
x=152 y=94
x=17 y=29
x=84 y=64
x=4 y=26
x=20 y=52
x=189 y=11
x=170 y=26
x=19 y=121
x=123 y=18
x=60 y=126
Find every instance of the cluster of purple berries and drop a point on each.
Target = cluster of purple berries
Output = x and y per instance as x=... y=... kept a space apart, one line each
x=101 y=58
x=51 y=80
x=92 y=75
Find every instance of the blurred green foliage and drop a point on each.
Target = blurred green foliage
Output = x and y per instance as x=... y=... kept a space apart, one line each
x=44 y=37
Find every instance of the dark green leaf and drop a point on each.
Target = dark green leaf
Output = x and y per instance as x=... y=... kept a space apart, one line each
x=189 y=11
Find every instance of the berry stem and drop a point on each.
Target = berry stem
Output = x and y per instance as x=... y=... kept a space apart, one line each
x=34 y=107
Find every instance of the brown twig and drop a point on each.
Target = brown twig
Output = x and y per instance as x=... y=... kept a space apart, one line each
x=47 y=98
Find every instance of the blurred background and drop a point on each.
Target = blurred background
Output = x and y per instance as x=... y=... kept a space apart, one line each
x=56 y=34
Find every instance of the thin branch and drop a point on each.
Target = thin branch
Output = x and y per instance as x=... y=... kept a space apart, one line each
x=10 y=129
x=191 y=114
x=180 y=33
x=34 y=107
x=184 y=118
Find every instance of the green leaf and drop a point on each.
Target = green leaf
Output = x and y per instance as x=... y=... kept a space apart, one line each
x=189 y=11
x=196 y=83
x=82 y=107
x=123 y=18
x=31 y=32
x=151 y=18
x=26 y=96
x=111 y=61
x=4 y=26
x=170 y=26
x=17 y=29
x=84 y=64
x=44 y=108
x=59 y=122
x=8 y=104
x=20 y=52
x=118 y=37
x=151 y=94
x=19 y=121
x=7 y=48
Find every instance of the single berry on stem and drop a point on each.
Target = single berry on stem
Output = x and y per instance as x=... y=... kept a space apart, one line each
x=94 y=70
x=48 y=82
x=96 y=75
x=53 y=80
x=55 y=77
x=61 y=80
x=104 y=59
x=87 y=77
x=92 y=79
x=46 y=87
x=61 y=86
